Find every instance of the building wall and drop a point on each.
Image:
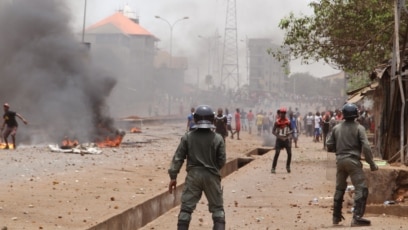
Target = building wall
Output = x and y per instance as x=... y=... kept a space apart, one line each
x=266 y=73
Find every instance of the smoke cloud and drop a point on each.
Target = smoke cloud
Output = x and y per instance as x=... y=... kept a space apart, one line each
x=47 y=75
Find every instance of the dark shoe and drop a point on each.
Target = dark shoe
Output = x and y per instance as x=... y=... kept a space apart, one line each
x=359 y=221
x=273 y=171
x=7 y=147
x=182 y=225
x=288 y=169
x=219 y=223
x=337 y=220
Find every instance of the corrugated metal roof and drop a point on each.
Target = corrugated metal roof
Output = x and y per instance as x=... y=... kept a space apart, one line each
x=124 y=24
x=359 y=94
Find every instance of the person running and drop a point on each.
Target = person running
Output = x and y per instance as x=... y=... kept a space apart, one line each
x=204 y=151
x=348 y=140
x=282 y=130
x=11 y=125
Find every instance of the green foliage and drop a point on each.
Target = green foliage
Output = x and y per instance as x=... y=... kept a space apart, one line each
x=357 y=82
x=354 y=35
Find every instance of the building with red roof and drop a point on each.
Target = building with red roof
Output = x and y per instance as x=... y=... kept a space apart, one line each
x=130 y=51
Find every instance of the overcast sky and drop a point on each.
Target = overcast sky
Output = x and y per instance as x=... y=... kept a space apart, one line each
x=255 y=19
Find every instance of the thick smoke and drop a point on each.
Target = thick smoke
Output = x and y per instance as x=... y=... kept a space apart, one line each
x=46 y=73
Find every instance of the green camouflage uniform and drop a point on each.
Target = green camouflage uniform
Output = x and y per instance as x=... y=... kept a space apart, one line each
x=205 y=154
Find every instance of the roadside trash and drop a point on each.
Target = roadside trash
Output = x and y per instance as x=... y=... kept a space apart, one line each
x=315 y=201
x=388 y=202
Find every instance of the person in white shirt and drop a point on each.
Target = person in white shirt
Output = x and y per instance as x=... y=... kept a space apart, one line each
x=317 y=126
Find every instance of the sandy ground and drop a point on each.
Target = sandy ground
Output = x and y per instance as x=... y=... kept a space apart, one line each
x=45 y=190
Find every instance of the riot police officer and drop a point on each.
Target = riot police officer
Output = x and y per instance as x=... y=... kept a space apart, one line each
x=348 y=140
x=206 y=156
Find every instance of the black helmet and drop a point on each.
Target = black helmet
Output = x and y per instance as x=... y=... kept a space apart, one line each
x=350 y=111
x=204 y=117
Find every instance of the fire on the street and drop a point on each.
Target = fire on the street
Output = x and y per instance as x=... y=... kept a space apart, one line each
x=69 y=144
x=110 y=142
x=3 y=145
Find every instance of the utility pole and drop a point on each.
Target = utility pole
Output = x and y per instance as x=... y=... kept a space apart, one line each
x=83 y=25
x=230 y=67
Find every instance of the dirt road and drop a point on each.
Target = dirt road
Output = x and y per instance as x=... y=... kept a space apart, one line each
x=45 y=190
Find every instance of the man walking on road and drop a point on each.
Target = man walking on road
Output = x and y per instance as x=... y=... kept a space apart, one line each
x=11 y=125
x=220 y=122
x=348 y=140
x=206 y=156
x=282 y=130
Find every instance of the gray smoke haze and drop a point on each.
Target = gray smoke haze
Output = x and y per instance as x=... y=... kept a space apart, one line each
x=47 y=75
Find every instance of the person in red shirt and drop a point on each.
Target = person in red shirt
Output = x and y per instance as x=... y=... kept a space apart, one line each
x=282 y=130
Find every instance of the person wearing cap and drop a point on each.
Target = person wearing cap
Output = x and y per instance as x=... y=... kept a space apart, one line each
x=206 y=156
x=11 y=125
x=282 y=130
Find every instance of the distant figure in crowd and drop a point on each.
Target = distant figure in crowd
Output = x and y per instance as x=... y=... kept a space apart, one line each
x=271 y=119
x=326 y=127
x=295 y=128
x=190 y=120
x=265 y=124
x=348 y=140
x=250 y=118
x=244 y=120
x=282 y=130
x=317 y=126
x=11 y=125
x=339 y=116
x=220 y=122
x=205 y=154
x=259 y=120
x=237 y=123
x=229 y=122
x=309 y=124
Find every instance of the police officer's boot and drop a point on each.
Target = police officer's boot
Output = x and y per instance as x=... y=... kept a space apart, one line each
x=219 y=223
x=359 y=209
x=337 y=206
x=182 y=225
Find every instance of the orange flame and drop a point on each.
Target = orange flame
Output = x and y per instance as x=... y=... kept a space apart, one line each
x=67 y=143
x=3 y=145
x=110 y=142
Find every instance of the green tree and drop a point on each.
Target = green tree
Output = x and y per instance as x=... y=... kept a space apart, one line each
x=353 y=35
